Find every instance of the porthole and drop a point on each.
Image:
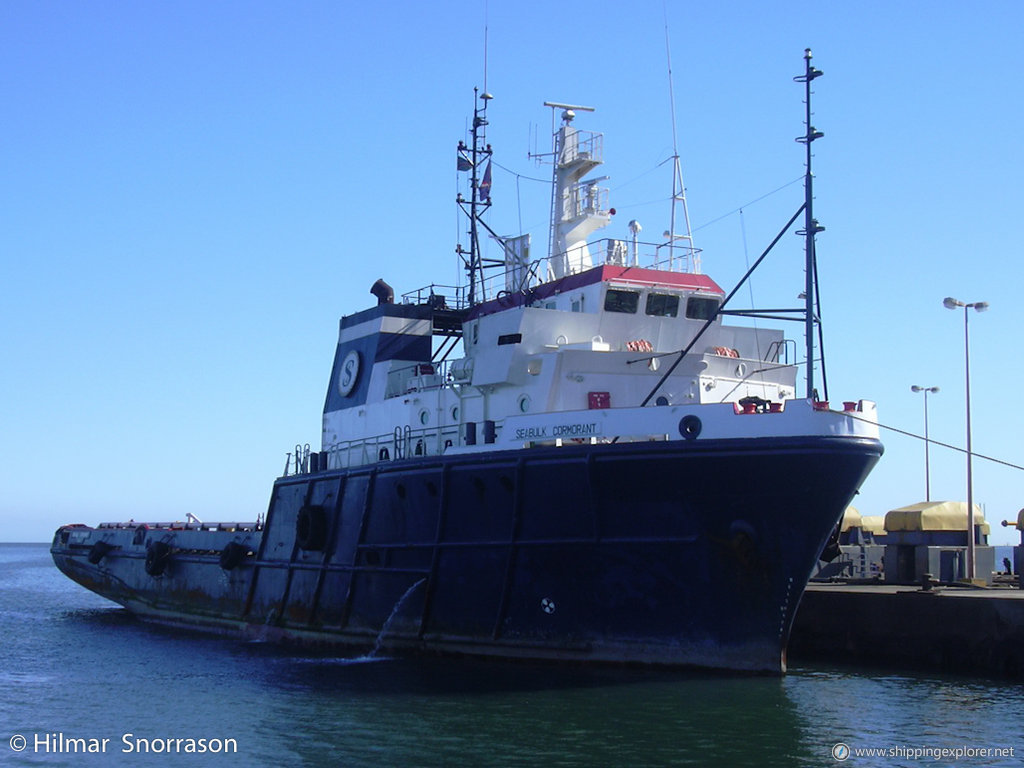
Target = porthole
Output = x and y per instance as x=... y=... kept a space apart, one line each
x=424 y=417
x=455 y=413
x=690 y=427
x=524 y=403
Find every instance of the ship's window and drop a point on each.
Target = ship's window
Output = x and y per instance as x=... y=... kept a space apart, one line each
x=621 y=301
x=662 y=304
x=698 y=308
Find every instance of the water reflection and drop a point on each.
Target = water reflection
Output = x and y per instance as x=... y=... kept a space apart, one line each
x=77 y=664
x=424 y=712
x=876 y=709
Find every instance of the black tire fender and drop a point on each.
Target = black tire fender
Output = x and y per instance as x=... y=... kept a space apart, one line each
x=232 y=555
x=98 y=551
x=311 y=528
x=158 y=555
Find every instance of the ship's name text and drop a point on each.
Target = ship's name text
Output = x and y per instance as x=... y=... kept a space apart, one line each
x=585 y=429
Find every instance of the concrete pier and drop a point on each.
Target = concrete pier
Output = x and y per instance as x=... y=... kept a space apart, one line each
x=948 y=629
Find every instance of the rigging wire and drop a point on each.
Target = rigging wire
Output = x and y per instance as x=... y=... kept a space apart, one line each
x=747 y=205
x=939 y=443
x=630 y=206
x=707 y=323
x=646 y=173
x=519 y=175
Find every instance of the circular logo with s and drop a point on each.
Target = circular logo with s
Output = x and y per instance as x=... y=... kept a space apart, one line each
x=349 y=374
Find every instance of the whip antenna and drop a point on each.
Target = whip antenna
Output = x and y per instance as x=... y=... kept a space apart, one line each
x=690 y=254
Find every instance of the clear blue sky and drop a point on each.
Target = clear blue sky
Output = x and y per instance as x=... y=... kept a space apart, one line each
x=192 y=193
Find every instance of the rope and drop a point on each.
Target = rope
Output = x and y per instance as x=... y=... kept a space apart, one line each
x=747 y=205
x=939 y=443
x=523 y=176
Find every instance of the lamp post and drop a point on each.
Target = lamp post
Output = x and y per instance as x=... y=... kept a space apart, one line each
x=927 y=474
x=978 y=306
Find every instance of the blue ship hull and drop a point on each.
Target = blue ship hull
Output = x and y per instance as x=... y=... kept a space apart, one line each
x=692 y=553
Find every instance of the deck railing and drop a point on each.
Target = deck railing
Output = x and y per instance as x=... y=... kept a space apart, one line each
x=181 y=526
x=402 y=443
x=664 y=256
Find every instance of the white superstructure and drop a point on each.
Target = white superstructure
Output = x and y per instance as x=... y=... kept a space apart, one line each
x=572 y=347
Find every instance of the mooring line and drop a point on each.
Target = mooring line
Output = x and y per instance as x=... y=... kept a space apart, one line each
x=939 y=443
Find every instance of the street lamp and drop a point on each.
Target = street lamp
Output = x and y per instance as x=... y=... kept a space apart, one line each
x=927 y=478
x=979 y=306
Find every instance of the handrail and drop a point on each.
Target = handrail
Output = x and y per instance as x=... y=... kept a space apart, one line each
x=605 y=251
x=180 y=526
x=403 y=442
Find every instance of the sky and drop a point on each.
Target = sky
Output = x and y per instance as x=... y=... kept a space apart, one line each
x=193 y=193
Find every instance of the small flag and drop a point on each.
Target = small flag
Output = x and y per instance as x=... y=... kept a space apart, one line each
x=484 y=192
x=463 y=163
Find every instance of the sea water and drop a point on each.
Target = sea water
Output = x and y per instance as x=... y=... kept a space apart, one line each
x=83 y=683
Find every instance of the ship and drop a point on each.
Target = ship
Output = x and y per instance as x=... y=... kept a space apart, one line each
x=571 y=458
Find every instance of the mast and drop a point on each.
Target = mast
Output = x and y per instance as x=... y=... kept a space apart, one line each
x=578 y=206
x=811 y=308
x=691 y=254
x=811 y=228
x=470 y=158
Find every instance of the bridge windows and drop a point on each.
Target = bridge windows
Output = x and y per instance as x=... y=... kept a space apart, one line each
x=662 y=304
x=701 y=308
x=618 y=300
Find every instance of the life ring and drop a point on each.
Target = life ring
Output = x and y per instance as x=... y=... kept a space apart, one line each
x=311 y=528
x=157 y=557
x=232 y=555
x=98 y=551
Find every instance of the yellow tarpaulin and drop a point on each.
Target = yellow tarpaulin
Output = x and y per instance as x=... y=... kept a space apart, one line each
x=873 y=523
x=934 y=516
x=851 y=519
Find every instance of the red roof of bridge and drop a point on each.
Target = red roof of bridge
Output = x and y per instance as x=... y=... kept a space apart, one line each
x=607 y=273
